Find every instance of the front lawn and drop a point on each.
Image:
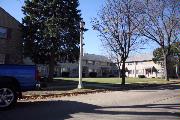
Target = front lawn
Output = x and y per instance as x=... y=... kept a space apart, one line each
x=117 y=80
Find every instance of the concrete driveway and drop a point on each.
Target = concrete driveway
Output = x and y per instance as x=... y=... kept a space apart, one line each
x=158 y=103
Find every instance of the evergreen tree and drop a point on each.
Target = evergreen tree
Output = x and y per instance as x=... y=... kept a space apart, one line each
x=51 y=31
x=174 y=51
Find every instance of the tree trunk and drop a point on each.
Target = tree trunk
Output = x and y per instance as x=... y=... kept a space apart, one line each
x=51 y=68
x=165 y=67
x=177 y=70
x=123 y=72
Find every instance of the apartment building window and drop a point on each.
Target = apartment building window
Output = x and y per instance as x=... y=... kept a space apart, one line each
x=65 y=69
x=96 y=63
x=3 y=32
x=75 y=70
x=103 y=63
x=112 y=64
x=90 y=70
x=90 y=62
x=130 y=63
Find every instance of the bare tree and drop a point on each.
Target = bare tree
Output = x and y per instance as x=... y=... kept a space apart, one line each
x=161 y=24
x=115 y=58
x=117 y=29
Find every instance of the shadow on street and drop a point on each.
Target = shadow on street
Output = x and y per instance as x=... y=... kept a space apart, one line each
x=59 y=110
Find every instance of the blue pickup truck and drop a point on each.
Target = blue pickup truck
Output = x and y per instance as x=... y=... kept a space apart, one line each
x=14 y=79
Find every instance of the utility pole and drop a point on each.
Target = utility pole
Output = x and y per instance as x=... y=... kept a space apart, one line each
x=82 y=24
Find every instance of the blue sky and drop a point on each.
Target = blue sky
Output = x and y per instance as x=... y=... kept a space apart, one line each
x=89 y=9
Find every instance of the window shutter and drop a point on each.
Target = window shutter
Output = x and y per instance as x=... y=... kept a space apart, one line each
x=3 y=32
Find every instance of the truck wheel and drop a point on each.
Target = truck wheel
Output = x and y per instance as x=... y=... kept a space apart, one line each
x=8 y=97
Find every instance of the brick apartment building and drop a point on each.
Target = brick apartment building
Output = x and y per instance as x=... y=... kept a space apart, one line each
x=10 y=39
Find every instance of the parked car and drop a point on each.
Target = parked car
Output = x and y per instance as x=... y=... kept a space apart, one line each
x=15 y=79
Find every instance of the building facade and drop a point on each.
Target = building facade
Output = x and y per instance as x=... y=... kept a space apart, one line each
x=93 y=66
x=143 y=65
x=10 y=39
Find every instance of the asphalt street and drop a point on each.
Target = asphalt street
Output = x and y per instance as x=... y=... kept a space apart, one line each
x=157 y=103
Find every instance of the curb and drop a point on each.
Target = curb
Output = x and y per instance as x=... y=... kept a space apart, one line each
x=27 y=97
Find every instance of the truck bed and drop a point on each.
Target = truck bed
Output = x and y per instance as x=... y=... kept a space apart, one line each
x=25 y=75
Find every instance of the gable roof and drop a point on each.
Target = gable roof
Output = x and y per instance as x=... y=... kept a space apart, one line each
x=140 y=57
x=94 y=57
